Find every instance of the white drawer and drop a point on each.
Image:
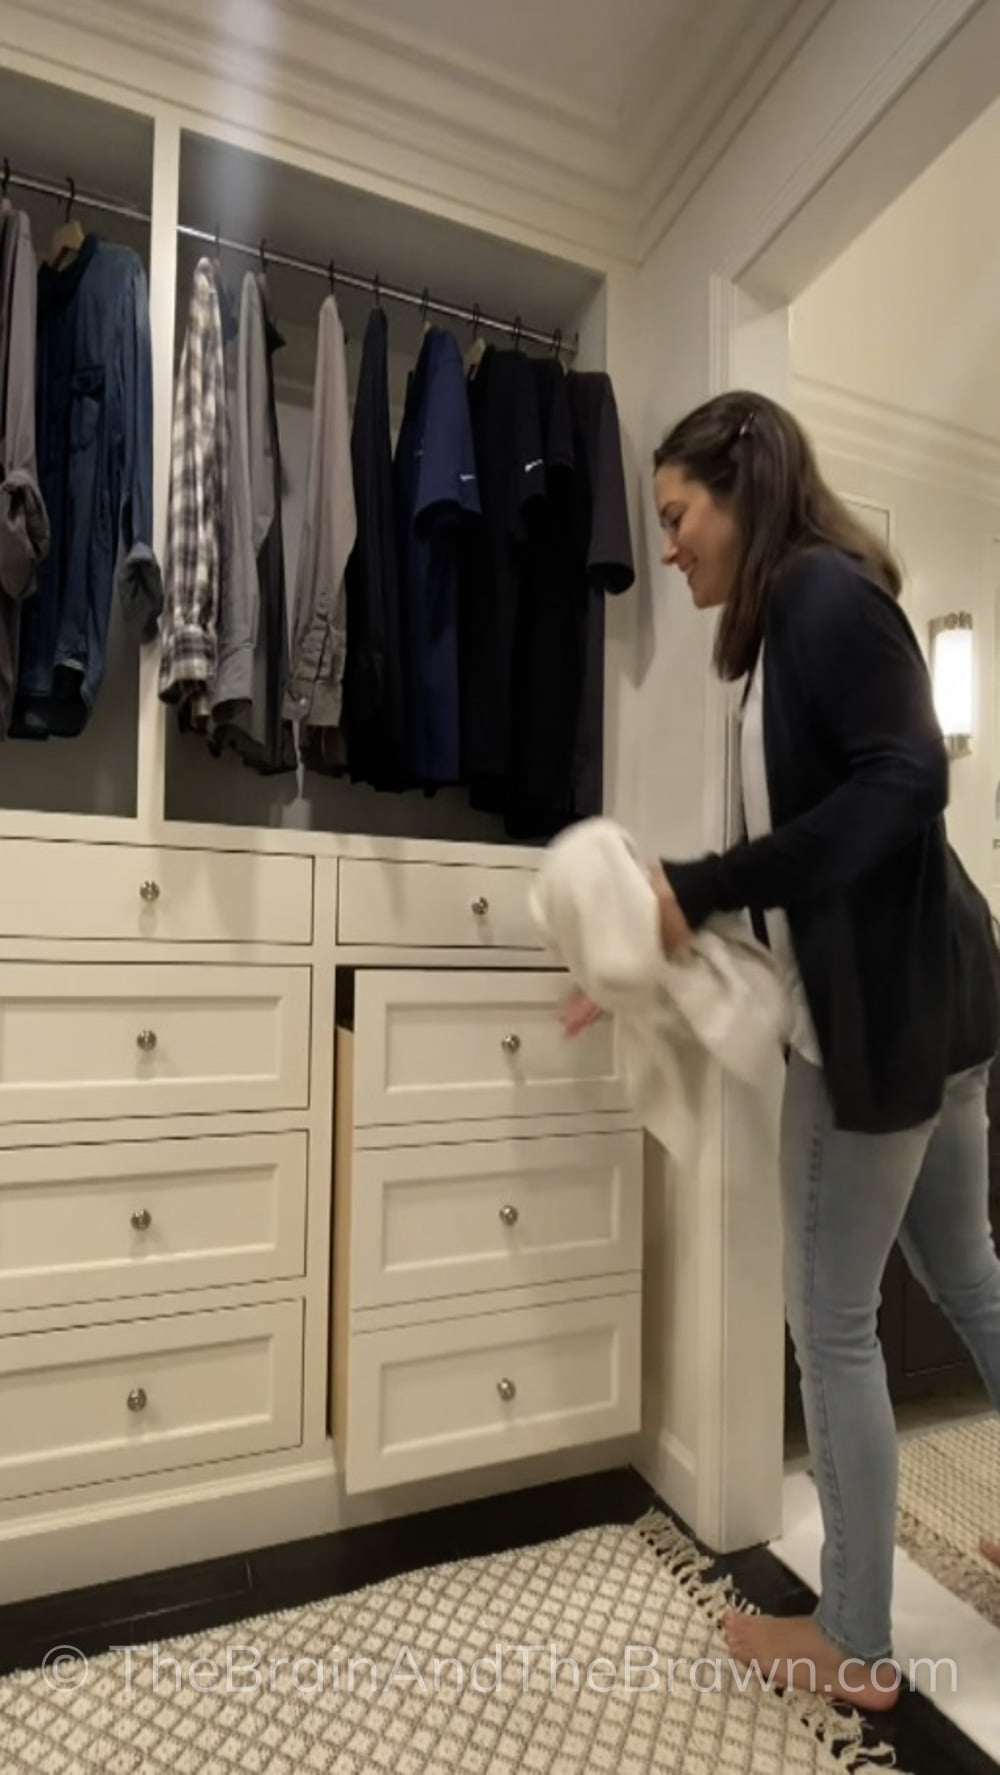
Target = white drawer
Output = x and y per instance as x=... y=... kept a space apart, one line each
x=84 y=1040
x=463 y=1393
x=148 y=1395
x=433 y=1221
x=83 y=1223
x=111 y=891
x=442 y=1046
x=435 y=905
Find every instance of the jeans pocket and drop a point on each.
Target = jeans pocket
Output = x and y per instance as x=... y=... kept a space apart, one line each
x=86 y=407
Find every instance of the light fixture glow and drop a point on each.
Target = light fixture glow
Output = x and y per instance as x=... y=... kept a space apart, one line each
x=953 y=672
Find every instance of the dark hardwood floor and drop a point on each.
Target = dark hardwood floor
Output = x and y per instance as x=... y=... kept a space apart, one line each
x=220 y=1592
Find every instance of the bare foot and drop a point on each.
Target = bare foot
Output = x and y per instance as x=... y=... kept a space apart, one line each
x=991 y=1550
x=801 y=1657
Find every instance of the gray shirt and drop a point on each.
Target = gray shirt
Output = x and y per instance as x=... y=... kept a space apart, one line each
x=249 y=519
x=319 y=624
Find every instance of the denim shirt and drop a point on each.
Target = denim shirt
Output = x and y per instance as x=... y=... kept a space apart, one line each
x=94 y=440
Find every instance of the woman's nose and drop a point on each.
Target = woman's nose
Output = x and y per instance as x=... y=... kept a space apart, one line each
x=669 y=552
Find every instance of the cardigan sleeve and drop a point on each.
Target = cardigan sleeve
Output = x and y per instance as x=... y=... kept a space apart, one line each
x=857 y=662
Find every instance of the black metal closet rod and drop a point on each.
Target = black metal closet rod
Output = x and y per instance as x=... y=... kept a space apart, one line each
x=373 y=285
x=392 y=292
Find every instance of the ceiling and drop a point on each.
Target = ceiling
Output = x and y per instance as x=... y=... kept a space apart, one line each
x=909 y=315
x=600 y=58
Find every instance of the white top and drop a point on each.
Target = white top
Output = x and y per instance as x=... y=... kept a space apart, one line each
x=757 y=814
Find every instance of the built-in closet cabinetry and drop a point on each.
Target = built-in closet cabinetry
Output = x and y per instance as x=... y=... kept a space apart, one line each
x=304 y=1195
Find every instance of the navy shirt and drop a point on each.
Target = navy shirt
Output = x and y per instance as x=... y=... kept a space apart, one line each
x=436 y=490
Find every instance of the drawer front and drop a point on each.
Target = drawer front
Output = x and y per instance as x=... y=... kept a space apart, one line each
x=108 y=1222
x=83 y=1040
x=148 y=1395
x=464 y=1393
x=441 y=1046
x=435 y=905
x=434 y=1221
x=154 y=895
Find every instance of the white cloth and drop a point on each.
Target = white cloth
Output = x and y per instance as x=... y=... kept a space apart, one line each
x=722 y=1001
x=757 y=816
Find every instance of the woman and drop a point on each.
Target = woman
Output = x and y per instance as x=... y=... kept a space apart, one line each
x=891 y=964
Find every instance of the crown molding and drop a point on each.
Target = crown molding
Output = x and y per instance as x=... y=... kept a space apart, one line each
x=915 y=446
x=672 y=163
x=376 y=99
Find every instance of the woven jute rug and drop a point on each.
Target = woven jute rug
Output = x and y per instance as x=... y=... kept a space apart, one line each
x=650 y=1687
x=949 y=1498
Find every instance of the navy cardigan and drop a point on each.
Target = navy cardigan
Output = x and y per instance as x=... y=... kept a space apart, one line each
x=895 y=945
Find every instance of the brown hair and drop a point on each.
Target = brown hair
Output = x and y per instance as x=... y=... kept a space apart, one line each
x=750 y=451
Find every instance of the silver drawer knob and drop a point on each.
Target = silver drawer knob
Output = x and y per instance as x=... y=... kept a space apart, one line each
x=481 y=906
x=511 y=1044
x=146 y=1040
x=142 y=1220
x=506 y=1389
x=150 y=892
x=137 y=1400
x=508 y=1214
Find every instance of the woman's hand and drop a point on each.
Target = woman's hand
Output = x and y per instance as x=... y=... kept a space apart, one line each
x=579 y=1012
x=675 y=933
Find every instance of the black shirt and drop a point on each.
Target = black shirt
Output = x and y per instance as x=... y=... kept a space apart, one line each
x=894 y=943
x=374 y=695
x=510 y=467
x=606 y=542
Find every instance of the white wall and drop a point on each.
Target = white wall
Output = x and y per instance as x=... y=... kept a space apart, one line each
x=947 y=539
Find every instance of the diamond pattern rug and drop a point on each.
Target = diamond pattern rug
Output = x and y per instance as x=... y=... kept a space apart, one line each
x=949 y=1498
x=650 y=1686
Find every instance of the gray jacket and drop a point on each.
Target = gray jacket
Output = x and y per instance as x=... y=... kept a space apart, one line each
x=319 y=629
x=24 y=524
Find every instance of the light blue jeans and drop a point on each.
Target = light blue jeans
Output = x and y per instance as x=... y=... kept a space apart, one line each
x=846 y=1198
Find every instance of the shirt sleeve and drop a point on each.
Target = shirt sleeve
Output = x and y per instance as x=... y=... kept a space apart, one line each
x=610 y=561
x=859 y=665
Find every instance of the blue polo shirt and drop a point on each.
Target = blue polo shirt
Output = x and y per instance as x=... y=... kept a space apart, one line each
x=436 y=494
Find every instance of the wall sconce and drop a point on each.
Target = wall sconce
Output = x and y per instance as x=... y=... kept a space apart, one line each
x=953 y=673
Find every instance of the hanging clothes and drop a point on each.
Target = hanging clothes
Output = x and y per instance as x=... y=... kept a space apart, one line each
x=374 y=691
x=510 y=468
x=436 y=492
x=314 y=697
x=94 y=438
x=605 y=540
x=198 y=507
x=24 y=523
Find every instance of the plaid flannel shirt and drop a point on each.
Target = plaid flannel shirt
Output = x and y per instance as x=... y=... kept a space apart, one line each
x=196 y=521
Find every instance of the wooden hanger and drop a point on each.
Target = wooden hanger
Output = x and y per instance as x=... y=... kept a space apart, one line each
x=474 y=355
x=69 y=238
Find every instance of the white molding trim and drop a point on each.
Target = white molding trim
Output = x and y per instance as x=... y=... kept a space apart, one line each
x=910 y=444
x=669 y=1466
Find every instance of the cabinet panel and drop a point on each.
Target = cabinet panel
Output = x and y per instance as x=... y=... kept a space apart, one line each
x=83 y=1040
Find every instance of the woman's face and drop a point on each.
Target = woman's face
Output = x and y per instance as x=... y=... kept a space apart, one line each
x=701 y=536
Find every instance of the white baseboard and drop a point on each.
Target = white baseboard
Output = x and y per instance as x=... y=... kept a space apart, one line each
x=75 y=1543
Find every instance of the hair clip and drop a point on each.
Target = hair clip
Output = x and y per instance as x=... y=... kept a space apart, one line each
x=747 y=423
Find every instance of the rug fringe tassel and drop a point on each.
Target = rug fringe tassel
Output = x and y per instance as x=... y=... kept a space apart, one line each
x=840 y=1729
